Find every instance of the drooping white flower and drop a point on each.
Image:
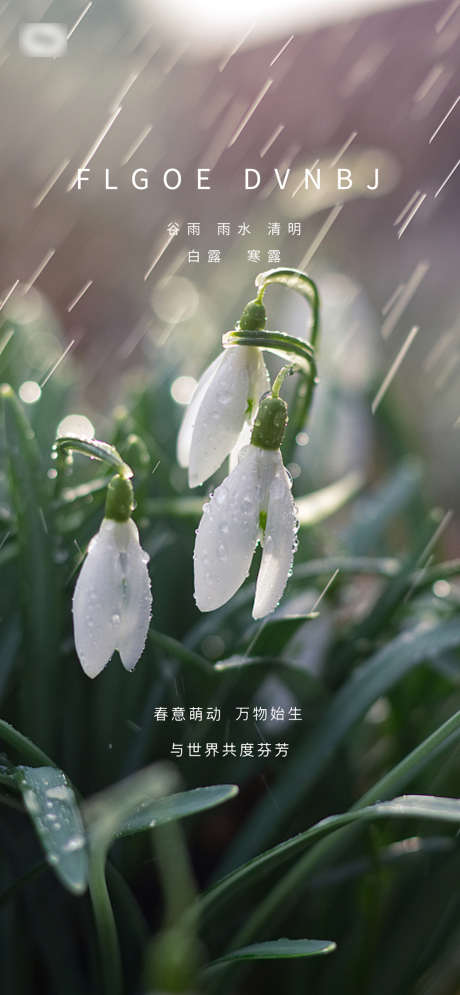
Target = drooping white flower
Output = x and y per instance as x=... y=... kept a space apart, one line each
x=254 y=503
x=225 y=397
x=112 y=599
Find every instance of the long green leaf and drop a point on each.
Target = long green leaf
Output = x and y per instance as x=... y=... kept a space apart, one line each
x=365 y=685
x=374 y=512
x=38 y=573
x=50 y=801
x=278 y=901
x=176 y=807
x=23 y=746
x=413 y=806
x=276 y=949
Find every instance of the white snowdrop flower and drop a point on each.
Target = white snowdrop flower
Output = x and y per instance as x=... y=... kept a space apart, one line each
x=112 y=599
x=253 y=504
x=225 y=398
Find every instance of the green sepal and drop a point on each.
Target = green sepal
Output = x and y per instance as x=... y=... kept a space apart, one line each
x=270 y=423
x=119 y=502
x=254 y=316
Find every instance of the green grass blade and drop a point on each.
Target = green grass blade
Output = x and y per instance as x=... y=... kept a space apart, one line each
x=38 y=573
x=375 y=678
x=23 y=746
x=176 y=806
x=413 y=806
x=278 y=901
x=276 y=949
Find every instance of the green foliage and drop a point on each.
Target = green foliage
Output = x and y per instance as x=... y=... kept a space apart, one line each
x=321 y=843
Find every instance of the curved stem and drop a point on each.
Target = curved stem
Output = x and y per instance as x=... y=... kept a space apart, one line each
x=281 y=344
x=285 y=371
x=296 y=280
x=95 y=450
x=105 y=924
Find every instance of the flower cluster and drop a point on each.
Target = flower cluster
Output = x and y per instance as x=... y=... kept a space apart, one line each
x=234 y=413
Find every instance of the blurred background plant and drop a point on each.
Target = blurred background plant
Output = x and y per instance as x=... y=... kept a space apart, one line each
x=376 y=673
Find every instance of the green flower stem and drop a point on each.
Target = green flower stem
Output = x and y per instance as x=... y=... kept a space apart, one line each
x=95 y=450
x=175 y=952
x=279 y=379
x=294 y=279
x=105 y=923
x=174 y=868
x=280 y=343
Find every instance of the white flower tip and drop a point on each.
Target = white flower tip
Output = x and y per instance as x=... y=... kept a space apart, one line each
x=262 y=612
x=208 y=601
x=129 y=661
x=195 y=479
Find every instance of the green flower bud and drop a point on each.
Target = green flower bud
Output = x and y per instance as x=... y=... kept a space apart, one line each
x=119 y=502
x=270 y=423
x=254 y=316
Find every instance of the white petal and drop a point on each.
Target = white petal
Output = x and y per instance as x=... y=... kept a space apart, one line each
x=221 y=412
x=243 y=440
x=260 y=381
x=279 y=542
x=184 y=439
x=136 y=601
x=96 y=602
x=112 y=599
x=227 y=534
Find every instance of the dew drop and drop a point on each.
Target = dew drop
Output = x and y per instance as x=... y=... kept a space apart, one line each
x=74 y=843
x=31 y=801
x=60 y=792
